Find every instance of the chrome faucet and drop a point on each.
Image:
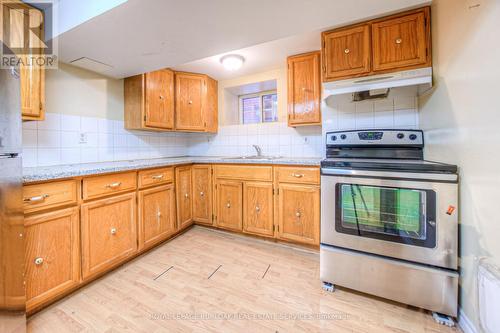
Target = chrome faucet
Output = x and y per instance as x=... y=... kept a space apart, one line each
x=258 y=149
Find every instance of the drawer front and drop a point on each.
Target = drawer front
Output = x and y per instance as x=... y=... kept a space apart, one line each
x=95 y=187
x=52 y=255
x=155 y=177
x=301 y=175
x=244 y=172
x=49 y=195
x=109 y=233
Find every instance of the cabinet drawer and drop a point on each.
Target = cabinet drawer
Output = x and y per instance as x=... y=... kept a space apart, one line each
x=95 y=187
x=302 y=175
x=155 y=177
x=244 y=172
x=49 y=195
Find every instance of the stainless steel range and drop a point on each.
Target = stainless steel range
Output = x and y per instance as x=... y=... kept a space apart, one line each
x=389 y=224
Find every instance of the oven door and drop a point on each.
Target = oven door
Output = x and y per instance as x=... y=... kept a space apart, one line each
x=409 y=219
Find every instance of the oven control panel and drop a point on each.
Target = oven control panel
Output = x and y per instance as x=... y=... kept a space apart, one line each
x=393 y=137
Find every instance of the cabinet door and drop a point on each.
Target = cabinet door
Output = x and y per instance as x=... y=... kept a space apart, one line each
x=229 y=204
x=156 y=215
x=184 y=195
x=159 y=102
x=258 y=208
x=401 y=42
x=299 y=213
x=52 y=256
x=109 y=233
x=304 y=90
x=346 y=52
x=211 y=112
x=202 y=193
x=190 y=90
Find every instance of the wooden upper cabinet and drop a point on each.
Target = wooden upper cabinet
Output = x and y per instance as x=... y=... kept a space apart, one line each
x=109 y=233
x=304 y=89
x=52 y=255
x=229 y=205
x=184 y=191
x=149 y=101
x=402 y=41
x=202 y=193
x=156 y=215
x=346 y=52
x=195 y=103
x=258 y=208
x=393 y=43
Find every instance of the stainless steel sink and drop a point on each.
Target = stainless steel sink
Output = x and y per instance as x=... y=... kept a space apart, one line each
x=252 y=157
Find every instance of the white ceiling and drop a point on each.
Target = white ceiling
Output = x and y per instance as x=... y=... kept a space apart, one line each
x=143 y=35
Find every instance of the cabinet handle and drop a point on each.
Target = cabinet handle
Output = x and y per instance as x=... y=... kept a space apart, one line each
x=347 y=51
x=190 y=102
x=297 y=214
x=186 y=195
x=158 y=214
x=257 y=209
x=202 y=194
x=114 y=185
x=161 y=97
x=157 y=176
x=37 y=198
x=297 y=175
x=113 y=231
x=38 y=261
x=228 y=205
x=398 y=40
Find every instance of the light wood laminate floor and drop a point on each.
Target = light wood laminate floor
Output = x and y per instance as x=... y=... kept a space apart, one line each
x=211 y=281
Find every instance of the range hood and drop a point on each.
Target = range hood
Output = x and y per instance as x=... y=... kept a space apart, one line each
x=421 y=77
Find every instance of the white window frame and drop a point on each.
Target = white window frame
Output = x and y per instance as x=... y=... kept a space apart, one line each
x=261 y=96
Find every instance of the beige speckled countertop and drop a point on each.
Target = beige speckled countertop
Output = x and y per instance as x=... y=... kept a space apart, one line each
x=36 y=174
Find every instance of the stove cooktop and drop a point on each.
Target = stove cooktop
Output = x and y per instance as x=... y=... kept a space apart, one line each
x=389 y=164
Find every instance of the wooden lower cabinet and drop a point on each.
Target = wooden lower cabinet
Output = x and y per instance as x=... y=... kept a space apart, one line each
x=202 y=193
x=184 y=196
x=258 y=208
x=229 y=198
x=52 y=255
x=299 y=213
x=156 y=215
x=109 y=233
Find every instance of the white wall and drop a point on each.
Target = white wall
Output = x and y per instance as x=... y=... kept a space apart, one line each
x=461 y=118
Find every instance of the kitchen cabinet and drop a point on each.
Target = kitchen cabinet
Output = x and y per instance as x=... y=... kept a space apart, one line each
x=183 y=188
x=299 y=213
x=156 y=215
x=109 y=233
x=105 y=185
x=346 y=52
x=401 y=42
x=258 y=208
x=304 y=89
x=195 y=103
x=149 y=101
x=202 y=193
x=229 y=206
x=52 y=255
x=38 y=197
x=394 y=43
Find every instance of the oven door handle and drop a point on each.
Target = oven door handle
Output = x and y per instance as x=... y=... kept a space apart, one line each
x=447 y=177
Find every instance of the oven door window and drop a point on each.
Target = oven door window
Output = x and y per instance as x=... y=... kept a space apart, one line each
x=400 y=215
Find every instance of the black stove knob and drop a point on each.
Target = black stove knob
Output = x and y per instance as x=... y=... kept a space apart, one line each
x=400 y=135
x=413 y=137
x=343 y=136
x=333 y=138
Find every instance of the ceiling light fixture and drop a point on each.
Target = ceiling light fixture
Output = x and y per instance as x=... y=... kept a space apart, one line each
x=232 y=62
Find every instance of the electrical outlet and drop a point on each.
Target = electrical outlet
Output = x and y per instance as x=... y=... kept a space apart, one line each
x=83 y=137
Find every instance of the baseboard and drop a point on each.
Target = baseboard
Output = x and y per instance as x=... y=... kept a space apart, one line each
x=465 y=323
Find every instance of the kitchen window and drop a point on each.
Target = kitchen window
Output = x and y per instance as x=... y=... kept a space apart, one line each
x=259 y=108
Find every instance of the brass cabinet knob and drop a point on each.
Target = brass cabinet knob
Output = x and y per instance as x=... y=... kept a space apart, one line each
x=186 y=195
x=202 y=193
x=297 y=175
x=297 y=214
x=157 y=176
x=38 y=261
x=347 y=51
x=158 y=214
x=161 y=97
x=228 y=205
x=257 y=209
x=190 y=102
x=398 y=40
x=113 y=231
x=37 y=198
x=114 y=185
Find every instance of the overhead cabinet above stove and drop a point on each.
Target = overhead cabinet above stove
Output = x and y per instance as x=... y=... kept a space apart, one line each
x=399 y=42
